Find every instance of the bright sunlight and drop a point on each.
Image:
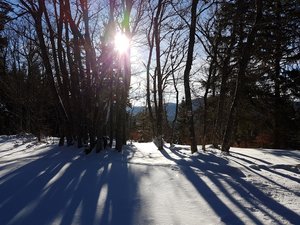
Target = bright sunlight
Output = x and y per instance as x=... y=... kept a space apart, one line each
x=121 y=43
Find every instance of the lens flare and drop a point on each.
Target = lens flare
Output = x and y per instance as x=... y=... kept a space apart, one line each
x=121 y=43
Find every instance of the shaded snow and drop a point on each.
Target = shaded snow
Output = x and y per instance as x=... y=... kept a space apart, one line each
x=41 y=183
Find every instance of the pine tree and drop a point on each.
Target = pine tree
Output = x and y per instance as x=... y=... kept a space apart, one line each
x=5 y=8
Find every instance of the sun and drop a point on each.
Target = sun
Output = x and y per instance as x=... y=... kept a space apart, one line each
x=122 y=43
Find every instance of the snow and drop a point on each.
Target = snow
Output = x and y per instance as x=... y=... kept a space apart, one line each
x=41 y=183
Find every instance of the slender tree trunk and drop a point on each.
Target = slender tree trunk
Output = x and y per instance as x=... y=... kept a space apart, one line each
x=207 y=87
x=159 y=112
x=176 y=109
x=119 y=115
x=37 y=16
x=187 y=71
x=62 y=87
x=242 y=66
x=77 y=74
x=225 y=72
x=125 y=73
x=148 y=91
x=218 y=127
x=277 y=103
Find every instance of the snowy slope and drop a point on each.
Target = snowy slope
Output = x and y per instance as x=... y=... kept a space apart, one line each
x=41 y=183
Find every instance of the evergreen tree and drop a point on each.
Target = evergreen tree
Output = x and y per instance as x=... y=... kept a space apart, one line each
x=5 y=8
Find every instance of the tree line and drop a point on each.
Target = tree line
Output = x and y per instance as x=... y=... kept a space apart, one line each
x=61 y=74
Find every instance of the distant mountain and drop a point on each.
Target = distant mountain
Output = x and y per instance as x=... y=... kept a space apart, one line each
x=170 y=107
x=136 y=109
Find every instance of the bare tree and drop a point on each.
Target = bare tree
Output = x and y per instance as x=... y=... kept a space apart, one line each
x=187 y=71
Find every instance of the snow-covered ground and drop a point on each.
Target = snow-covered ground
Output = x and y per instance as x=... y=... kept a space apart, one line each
x=41 y=183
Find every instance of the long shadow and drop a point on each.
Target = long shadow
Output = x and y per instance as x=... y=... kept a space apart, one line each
x=262 y=176
x=260 y=198
x=206 y=162
x=120 y=203
x=251 y=157
x=270 y=203
x=216 y=167
x=267 y=168
x=63 y=186
x=10 y=151
x=24 y=185
x=281 y=152
x=219 y=207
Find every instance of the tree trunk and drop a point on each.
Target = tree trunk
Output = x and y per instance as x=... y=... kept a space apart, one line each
x=242 y=66
x=277 y=103
x=187 y=71
x=207 y=87
x=148 y=92
x=176 y=109
x=225 y=73
x=37 y=15
x=159 y=112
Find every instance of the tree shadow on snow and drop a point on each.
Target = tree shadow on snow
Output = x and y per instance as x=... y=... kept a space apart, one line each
x=63 y=186
x=283 y=152
x=217 y=170
x=270 y=168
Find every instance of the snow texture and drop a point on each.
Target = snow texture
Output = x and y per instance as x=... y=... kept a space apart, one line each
x=41 y=183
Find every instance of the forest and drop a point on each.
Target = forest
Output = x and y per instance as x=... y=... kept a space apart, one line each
x=77 y=69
